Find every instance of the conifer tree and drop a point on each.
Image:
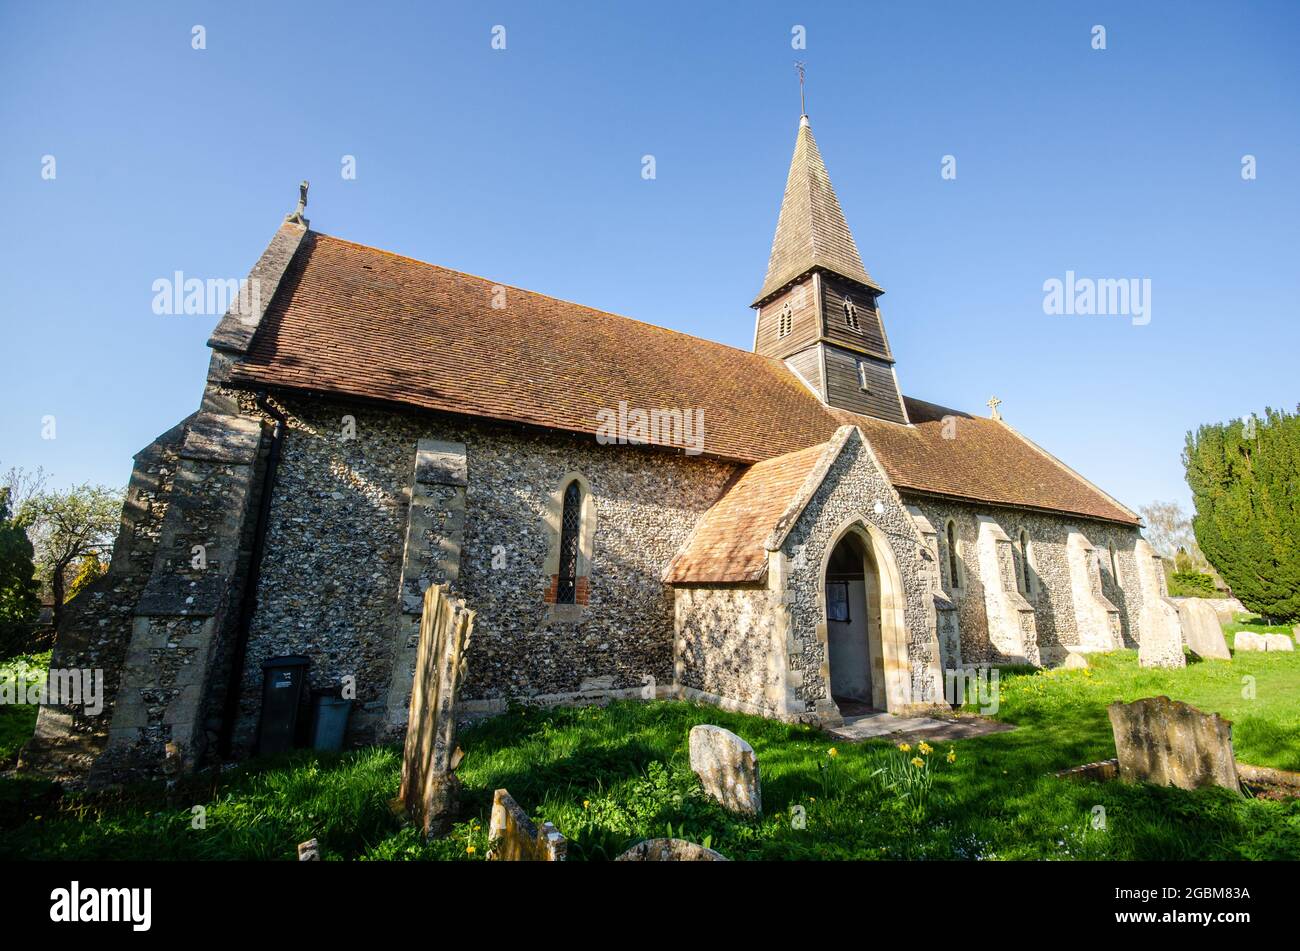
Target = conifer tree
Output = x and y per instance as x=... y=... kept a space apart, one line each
x=1245 y=482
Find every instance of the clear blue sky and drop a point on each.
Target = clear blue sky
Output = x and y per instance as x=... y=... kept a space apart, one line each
x=524 y=165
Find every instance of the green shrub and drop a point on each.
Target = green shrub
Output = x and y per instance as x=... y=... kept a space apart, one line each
x=1191 y=584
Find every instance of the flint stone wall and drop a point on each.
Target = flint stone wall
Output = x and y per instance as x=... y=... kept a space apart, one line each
x=332 y=570
x=726 y=651
x=1051 y=595
x=852 y=486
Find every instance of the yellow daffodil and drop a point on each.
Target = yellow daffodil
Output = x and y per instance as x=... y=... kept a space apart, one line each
x=586 y=803
x=469 y=850
x=905 y=747
x=925 y=748
x=952 y=756
x=832 y=752
x=918 y=762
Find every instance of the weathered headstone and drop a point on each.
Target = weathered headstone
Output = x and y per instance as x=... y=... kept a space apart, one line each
x=515 y=838
x=309 y=851
x=1278 y=642
x=727 y=767
x=1249 y=641
x=430 y=790
x=1075 y=661
x=1169 y=743
x=669 y=850
x=1160 y=639
x=1201 y=629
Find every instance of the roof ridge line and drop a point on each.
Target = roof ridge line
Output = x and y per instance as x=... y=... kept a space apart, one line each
x=559 y=300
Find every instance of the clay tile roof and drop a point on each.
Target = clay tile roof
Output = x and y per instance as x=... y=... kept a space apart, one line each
x=354 y=321
x=982 y=459
x=811 y=231
x=728 y=544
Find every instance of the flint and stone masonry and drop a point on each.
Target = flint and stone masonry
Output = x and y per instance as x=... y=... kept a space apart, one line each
x=379 y=425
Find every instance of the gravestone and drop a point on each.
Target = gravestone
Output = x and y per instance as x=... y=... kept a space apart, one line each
x=430 y=790
x=1201 y=629
x=669 y=850
x=727 y=767
x=1278 y=642
x=515 y=838
x=1075 y=661
x=309 y=851
x=1249 y=641
x=1169 y=743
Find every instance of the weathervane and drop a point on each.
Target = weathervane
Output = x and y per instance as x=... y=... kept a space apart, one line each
x=803 y=109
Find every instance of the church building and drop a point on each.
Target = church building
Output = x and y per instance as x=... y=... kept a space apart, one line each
x=631 y=511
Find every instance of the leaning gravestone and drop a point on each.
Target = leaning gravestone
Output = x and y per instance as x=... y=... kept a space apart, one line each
x=669 y=850
x=515 y=838
x=1249 y=641
x=1201 y=629
x=1169 y=743
x=727 y=767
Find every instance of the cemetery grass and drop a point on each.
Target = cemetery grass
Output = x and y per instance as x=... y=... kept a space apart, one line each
x=610 y=776
x=18 y=720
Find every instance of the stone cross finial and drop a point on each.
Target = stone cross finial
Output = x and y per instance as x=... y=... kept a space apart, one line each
x=298 y=216
x=993 y=405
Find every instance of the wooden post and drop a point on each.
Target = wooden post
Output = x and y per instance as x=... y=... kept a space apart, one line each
x=430 y=790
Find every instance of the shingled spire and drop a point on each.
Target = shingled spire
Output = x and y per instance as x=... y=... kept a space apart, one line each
x=811 y=232
x=818 y=309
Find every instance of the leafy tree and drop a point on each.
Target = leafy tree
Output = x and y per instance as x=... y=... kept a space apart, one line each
x=22 y=485
x=68 y=526
x=20 y=602
x=1167 y=527
x=87 y=570
x=1245 y=481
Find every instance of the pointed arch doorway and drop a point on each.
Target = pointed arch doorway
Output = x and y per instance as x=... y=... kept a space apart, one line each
x=866 y=639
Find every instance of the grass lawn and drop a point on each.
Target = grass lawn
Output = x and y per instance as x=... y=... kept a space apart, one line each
x=18 y=720
x=610 y=776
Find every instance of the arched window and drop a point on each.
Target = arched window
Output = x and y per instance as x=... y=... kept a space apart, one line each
x=785 y=321
x=954 y=574
x=1026 y=585
x=850 y=313
x=566 y=589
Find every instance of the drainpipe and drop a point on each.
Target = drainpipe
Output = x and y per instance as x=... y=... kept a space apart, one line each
x=248 y=599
